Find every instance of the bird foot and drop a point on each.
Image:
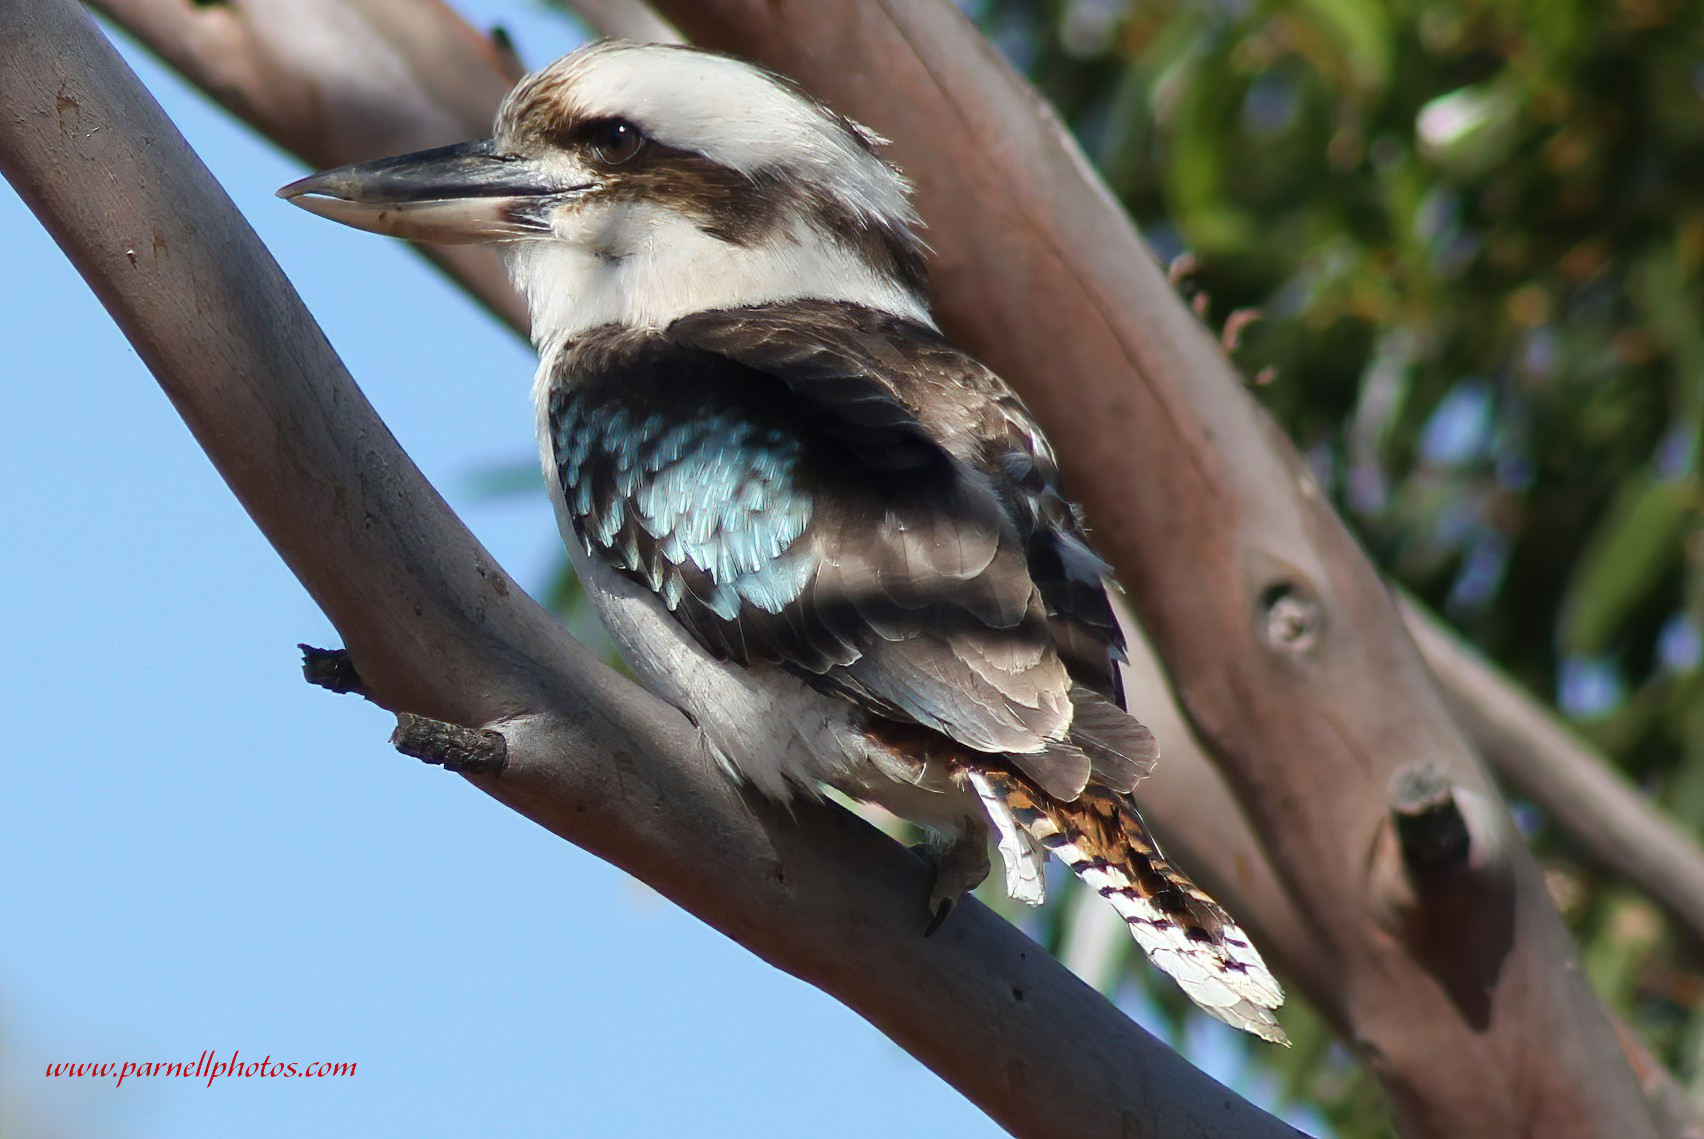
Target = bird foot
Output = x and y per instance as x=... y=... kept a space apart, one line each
x=961 y=863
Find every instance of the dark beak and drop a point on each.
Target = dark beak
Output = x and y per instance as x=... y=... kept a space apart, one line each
x=451 y=195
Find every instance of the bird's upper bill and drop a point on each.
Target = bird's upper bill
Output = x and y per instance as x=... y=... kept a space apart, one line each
x=721 y=141
x=451 y=195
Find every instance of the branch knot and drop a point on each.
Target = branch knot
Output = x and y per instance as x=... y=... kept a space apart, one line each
x=472 y=751
x=1430 y=829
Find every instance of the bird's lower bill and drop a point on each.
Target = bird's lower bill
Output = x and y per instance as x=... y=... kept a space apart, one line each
x=451 y=195
x=452 y=221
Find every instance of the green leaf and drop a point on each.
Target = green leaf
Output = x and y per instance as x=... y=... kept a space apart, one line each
x=1636 y=543
x=565 y=596
x=1470 y=131
x=1197 y=178
x=1357 y=29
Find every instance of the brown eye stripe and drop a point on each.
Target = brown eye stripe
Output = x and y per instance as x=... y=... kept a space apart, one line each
x=723 y=202
x=745 y=211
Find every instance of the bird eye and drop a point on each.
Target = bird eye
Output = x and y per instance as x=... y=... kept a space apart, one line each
x=614 y=141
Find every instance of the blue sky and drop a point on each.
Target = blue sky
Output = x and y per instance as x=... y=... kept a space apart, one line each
x=202 y=852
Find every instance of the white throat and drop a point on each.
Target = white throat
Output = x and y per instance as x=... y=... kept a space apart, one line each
x=601 y=276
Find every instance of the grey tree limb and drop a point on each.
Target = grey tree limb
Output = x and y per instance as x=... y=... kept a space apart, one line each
x=335 y=82
x=1461 y=989
x=455 y=76
x=623 y=19
x=435 y=627
x=1246 y=878
x=1200 y=823
x=1587 y=797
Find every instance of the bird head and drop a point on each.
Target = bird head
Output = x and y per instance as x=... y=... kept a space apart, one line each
x=635 y=183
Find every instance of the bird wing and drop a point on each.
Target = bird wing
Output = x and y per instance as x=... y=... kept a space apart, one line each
x=789 y=511
x=902 y=396
x=890 y=386
x=969 y=471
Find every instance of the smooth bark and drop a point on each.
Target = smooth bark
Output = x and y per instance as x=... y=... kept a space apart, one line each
x=452 y=71
x=335 y=82
x=1587 y=798
x=435 y=627
x=1459 y=983
x=1190 y=802
x=623 y=19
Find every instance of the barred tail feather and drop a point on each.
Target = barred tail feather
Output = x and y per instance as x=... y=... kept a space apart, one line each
x=1182 y=930
x=1024 y=856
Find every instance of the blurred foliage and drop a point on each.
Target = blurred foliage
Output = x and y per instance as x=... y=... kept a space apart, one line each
x=1473 y=231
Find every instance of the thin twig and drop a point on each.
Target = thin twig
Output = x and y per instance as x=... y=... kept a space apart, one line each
x=1588 y=799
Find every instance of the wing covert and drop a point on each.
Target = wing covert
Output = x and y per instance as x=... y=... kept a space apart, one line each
x=900 y=393
x=789 y=506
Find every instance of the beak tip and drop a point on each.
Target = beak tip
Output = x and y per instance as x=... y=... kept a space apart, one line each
x=450 y=195
x=299 y=187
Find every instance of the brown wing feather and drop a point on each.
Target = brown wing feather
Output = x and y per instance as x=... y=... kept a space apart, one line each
x=905 y=586
x=1120 y=748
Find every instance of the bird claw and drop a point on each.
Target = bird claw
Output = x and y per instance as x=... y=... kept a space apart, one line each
x=960 y=866
x=939 y=910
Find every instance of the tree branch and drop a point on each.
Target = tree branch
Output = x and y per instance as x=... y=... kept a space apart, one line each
x=1587 y=797
x=455 y=71
x=623 y=19
x=1201 y=824
x=436 y=628
x=1280 y=638
x=1247 y=876
x=335 y=82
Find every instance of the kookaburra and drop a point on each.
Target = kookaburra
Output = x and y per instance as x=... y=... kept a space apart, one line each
x=832 y=539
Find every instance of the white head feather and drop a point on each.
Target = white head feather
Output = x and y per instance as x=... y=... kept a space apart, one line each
x=637 y=260
x=729 y=111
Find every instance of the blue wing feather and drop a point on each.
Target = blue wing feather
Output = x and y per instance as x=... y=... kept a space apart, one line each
x=707 y=506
